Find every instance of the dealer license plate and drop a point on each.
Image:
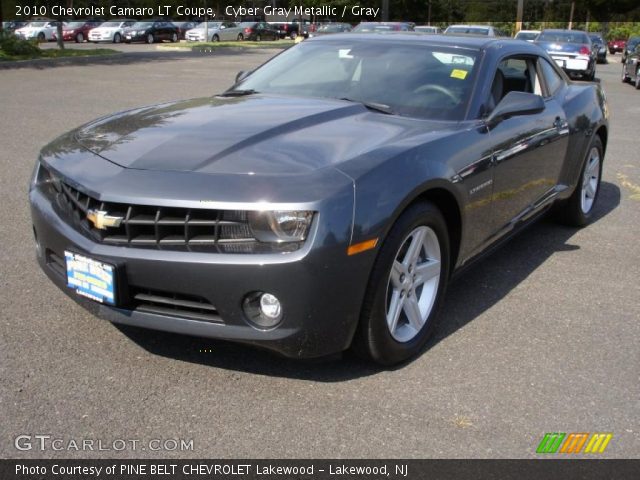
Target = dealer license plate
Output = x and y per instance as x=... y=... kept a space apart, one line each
x=91 y=278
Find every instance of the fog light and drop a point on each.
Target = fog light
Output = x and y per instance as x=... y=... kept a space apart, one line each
x=263 y=310
x=270 y=306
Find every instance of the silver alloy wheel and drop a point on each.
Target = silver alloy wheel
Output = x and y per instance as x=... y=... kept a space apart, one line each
x=150 y=38
x=590 y=180
x=413 y=284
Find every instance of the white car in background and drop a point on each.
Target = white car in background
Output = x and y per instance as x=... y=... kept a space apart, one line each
x=527 y=35
x=214 y=32
x=110 y=31
x=41 y=30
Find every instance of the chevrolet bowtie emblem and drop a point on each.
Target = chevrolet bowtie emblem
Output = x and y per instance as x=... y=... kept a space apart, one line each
x=102 y=220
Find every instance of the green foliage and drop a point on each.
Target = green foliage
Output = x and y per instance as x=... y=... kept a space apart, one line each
x=11 y=45
x=623 y=31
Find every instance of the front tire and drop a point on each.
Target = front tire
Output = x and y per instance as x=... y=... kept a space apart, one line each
x=637 y=82
x=240 y=37
x=80 y=38
x=150 y=38
x=117 y=38
x=215 y=38
x=174 y=38
x=625 y=77
x=406 y=287
x=577 y=211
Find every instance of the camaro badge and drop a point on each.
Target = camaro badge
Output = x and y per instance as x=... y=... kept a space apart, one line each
x=102 y=220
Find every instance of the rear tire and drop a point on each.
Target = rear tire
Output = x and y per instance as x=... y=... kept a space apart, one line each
x=406 y=287
x=577 y=210
x=240 y=37
x=637 y=82
x=41 y=38
x=258 y=38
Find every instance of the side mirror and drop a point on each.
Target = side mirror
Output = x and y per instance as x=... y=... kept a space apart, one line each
x=241 y=75
x=515 y=103
x=222 y=27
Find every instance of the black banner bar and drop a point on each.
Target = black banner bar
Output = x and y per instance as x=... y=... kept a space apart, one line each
x=544 y=469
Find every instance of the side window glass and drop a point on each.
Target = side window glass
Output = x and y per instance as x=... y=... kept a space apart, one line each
x=552 y=79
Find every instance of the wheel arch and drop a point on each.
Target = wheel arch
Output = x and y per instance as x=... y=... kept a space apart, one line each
x=603 y=133
x=448 y=204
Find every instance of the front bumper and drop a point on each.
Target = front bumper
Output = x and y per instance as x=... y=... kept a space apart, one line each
x=321 y=288
x=135 y=38
x=101 y=37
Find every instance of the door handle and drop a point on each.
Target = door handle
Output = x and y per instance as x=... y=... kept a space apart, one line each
x=559 y=124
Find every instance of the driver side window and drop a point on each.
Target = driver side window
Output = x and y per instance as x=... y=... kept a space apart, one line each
x=514 y=74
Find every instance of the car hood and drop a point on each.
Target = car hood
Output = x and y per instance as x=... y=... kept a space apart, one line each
x=258 y=134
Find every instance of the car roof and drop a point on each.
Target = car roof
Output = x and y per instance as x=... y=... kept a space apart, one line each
x=558 y=30
x=460 y=41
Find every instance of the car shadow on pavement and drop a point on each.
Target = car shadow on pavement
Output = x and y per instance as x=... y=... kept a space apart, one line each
x=124 y=58
x=475 y=291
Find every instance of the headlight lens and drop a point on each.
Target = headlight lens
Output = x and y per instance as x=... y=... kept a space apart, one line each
x=280 y=225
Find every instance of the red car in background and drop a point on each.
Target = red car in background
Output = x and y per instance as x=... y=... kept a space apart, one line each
x=616 y=46
x=77 y=30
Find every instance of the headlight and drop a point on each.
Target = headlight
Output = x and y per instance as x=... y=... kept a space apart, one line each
x=280 y=225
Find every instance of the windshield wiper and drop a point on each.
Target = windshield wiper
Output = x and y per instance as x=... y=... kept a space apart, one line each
x=237 y=93
x=376 y=107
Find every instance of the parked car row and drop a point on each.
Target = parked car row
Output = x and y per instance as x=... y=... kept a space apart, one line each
x=229 y=31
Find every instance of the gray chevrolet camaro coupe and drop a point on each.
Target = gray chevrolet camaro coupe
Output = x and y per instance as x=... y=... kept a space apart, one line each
x=325 y=199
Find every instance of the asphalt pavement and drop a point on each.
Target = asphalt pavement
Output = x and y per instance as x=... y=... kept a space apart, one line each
x=541 y=336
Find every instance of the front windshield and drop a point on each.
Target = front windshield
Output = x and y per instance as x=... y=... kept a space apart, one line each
x=468 y=30
x=204 y=25
x=142 y=25
x=596 y=39
x=111 y=24
x=330 y=28
x=526 y=36
x=377 y=27
x=74 y=24
x=37 y=24
x=412 y=79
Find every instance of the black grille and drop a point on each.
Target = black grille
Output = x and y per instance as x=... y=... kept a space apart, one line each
x=174 y=305
x=159 y=226
x=56 y=263
x=169 y=228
